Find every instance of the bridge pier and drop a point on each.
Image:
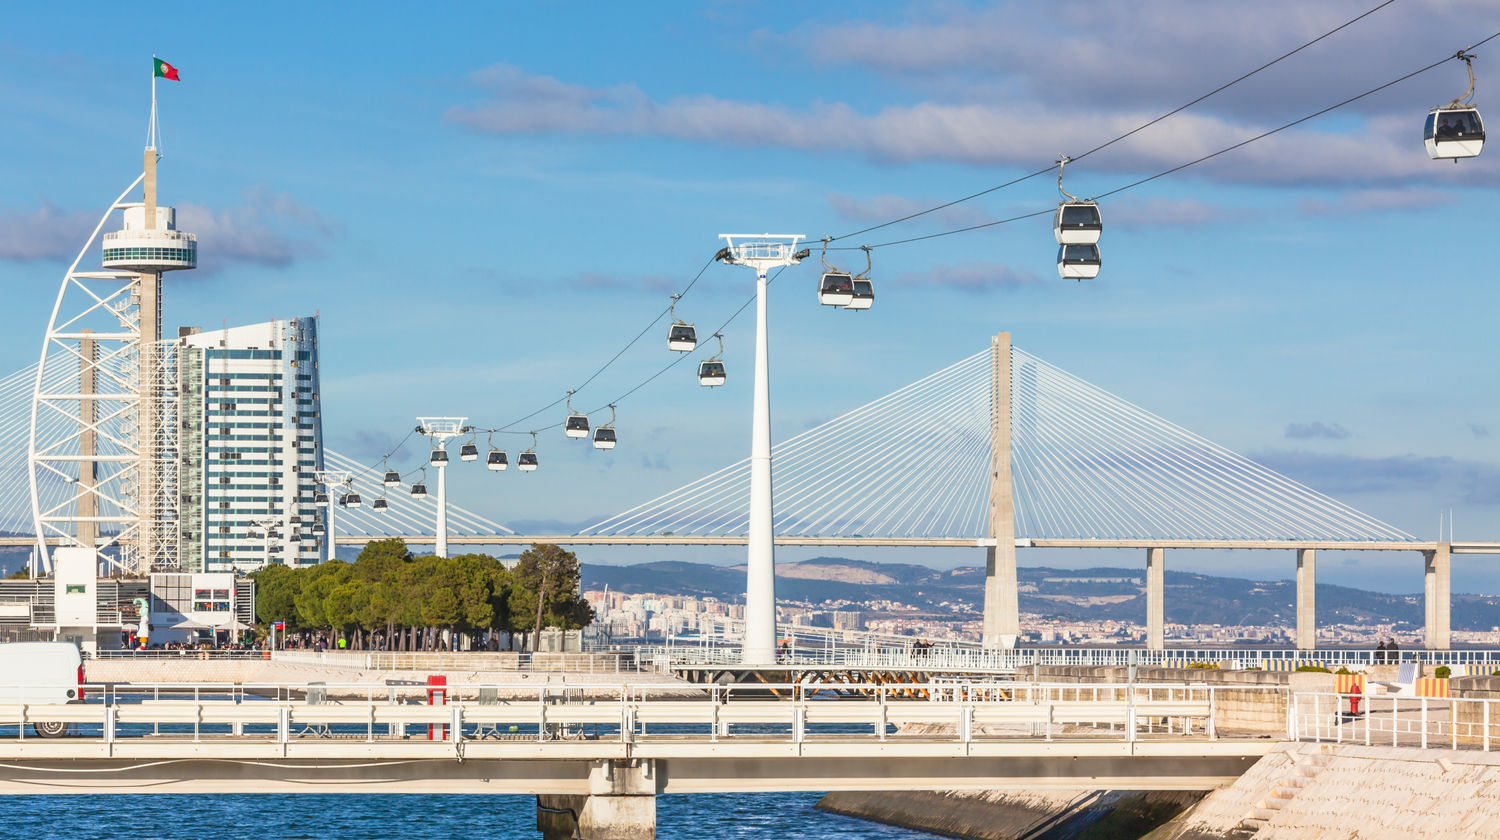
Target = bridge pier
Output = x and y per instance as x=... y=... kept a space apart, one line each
x=1438 y=600
x=620 y=805
x=1307 y=624
x=1002 y=598
x=1156 y=592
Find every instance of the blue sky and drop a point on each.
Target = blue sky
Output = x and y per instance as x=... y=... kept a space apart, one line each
x=485 y=202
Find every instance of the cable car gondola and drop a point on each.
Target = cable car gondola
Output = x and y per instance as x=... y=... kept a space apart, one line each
x=1077 y=223
x=710 y=374
x=317 y=528
x=1453 y=133
x=438 y=458
x=577 y=425
x=468 y=452
x=862 y=295
x=380 y=504
x=320 y=498
x=419 y=488
x=1455 y=130
x=680 y=336
x=526 y=461
x=496 y=460
x=604 y=436
x=836 y=289
x=392 y=478
x=711 y=371
x=1078 y=262
x=352 y=500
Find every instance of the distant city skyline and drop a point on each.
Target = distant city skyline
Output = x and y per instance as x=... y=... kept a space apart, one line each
x=484 y=212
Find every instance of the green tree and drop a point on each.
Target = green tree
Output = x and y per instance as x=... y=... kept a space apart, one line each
x=276 y=588
x=546 y=593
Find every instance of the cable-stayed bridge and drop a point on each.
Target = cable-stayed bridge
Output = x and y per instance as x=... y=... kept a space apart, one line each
x=999 y=450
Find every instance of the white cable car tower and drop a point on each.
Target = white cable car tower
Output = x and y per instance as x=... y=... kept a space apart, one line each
x=442 y=430
x=109 y=479
x=333 y=482
x=761 y=252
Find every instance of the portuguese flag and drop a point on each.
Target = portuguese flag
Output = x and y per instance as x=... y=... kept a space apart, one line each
x=165 y=70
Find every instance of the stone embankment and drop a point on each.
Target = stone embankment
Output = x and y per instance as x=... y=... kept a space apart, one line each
x=1327 y=792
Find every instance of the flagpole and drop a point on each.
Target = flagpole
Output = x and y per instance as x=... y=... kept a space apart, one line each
x=151 y=132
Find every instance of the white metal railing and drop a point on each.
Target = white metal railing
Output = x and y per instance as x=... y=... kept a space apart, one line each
x=951 y=711
x=1395 y=720
x=176 y=654
x=972 y=658
x=610 y=662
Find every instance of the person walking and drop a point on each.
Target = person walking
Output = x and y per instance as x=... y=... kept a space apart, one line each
x=1380 y=653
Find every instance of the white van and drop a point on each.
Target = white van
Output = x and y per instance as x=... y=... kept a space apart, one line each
x=41 y=672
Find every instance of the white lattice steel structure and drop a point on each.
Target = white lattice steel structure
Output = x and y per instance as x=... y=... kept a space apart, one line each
x=103 y=415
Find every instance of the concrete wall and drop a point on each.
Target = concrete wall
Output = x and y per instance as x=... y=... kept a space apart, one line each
x=1011 y=815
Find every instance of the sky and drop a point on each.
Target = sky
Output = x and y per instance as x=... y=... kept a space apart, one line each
x=485 y=202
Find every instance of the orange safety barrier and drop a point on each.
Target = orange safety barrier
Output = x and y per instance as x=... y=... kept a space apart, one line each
x=1352 y=685
x=1432 y=687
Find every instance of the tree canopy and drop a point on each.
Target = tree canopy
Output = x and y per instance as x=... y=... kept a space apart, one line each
x=388 y=589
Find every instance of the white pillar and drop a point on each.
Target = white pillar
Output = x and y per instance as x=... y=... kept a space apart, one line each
x=442 y=510
x=332 y=532
x=760 y=574
x=1439 y=587
x=1156 y=588
x=1307 y=623
x=1002 y=607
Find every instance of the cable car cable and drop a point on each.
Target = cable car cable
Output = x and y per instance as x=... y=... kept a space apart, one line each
x=613 y=358
x=1183 y=166
x=1112 y=141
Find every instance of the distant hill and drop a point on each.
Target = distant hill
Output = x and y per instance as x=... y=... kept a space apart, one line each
x=1070 y=594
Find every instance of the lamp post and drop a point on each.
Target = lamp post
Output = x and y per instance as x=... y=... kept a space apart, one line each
x=761 y=252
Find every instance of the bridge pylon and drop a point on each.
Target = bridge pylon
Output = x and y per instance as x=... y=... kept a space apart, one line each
x=1002 y=600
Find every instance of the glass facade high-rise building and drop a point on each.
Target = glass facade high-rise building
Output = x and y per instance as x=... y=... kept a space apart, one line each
x=251 y=446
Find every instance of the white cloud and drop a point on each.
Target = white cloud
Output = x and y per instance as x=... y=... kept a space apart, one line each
x=1010 y=133
x=1371 y=201
x=974 y=277
x=46 y=233
x=269 y=228
x=883 y=208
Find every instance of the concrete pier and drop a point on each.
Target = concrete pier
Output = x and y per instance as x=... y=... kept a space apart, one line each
x=1307 y=623
x=1002 y=599
x=620 y=805
x=1438 y=603
x=1156 y=591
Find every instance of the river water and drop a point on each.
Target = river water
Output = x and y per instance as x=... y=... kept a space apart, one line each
x=759 y=816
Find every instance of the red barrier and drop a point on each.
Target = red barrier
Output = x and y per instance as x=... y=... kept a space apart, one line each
x=437 y=695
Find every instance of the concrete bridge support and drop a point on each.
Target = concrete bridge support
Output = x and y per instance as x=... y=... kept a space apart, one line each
x=1307 y=624
x=1002 y=600
x=1156 y=592
x=620 y=805
x=1438 y=602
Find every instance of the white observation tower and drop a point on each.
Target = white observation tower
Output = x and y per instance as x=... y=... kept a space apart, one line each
x=109 y=478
